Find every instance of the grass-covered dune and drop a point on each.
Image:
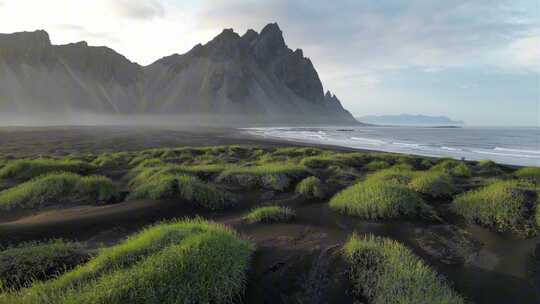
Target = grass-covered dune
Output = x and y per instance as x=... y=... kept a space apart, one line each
x=376 y=200
x=58 y=188
x=311 y=187
x=453 y=167
x=23 y=170
x=274 y=176
x=529 y=173
x=270 y=214
x=395 y=175
x=111 y=159
x=190 y=261
x=434 y=183
x=29 y=262
x=386 y=272
x=502 y=205
x=170 y=182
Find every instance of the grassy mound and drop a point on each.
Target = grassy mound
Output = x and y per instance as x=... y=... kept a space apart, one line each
x=153 y=168
x=488 y=167
x=502 y=205
x=190 y=261
x=26 y=263
x=270 y=176
x=311 y=187
x=325 y=160
x=377 y=165
x=529 y=173
x=394 y=175
x=386 y=272
x=23 y=170
x=164 y=185
x=374 y=200
x=433 y=183
x=111 y=159
x=445 y=165
x=461 y=170
x=270 y=214
x=58 y=188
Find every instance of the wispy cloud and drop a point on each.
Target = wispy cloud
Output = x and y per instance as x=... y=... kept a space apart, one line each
x=81 y=31
x=389 y=34
x=138 y=9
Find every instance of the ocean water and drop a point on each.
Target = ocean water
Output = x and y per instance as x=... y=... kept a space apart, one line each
x=514 y=146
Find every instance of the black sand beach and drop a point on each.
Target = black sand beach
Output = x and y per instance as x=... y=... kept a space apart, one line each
x=296 y=262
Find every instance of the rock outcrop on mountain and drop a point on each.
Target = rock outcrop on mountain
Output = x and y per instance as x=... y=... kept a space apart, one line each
x=253 y=78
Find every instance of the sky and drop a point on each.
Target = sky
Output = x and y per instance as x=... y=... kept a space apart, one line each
x=477 y=61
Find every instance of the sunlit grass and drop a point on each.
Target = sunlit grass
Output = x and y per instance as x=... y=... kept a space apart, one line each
x=112 y=159
x=56 y=188
x=386 y=272
x=529 y=173
x=275 y=176
x=165 y=184
x=394 y=175
x=270 y=214
x=377 y=200
x=433 y=183
x=191 y=261
x=23 y=170
x=377 y=165
x=488 y=167
x=311 y=187
x=502 y=205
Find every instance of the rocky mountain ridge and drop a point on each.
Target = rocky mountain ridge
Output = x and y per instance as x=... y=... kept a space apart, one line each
x=250 y=78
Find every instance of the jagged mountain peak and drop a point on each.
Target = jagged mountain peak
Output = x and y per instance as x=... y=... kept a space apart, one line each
x=253 y=76
x=34 y=39
x=272 y=29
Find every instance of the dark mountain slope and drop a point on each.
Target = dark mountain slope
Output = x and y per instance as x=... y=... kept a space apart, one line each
x=253 y=78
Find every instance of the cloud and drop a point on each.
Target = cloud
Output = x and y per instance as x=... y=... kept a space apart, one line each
x=81 y=31
x=525 y=53
x=385 y=35
x=138 y=9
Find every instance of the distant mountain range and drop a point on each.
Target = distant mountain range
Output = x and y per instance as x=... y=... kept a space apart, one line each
x=253 y=78
x=407 y=119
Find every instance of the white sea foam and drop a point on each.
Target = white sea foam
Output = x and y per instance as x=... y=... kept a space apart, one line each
x=451 y=149
x=419 y=142
x=517 y=150
x=505 y=154
x=406 y=144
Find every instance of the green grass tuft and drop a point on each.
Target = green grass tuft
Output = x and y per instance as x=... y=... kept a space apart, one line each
x=394 y=175
x=277 y=176
x=180 y=186
x=270 y=214
x=190 y=261
x=489 y=168
x=461 y=170
x=433 y=183
x=58 y=188
x=386 y=272
x=502 y=205
x=529 y=173
x=26 y=263
x=377 y=165
x=111 y=159
x=375 y=200
x=23 y=170
x=311 y=187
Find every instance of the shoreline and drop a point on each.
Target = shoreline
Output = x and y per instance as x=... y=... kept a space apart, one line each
x=63 y=140
x=433 y=147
